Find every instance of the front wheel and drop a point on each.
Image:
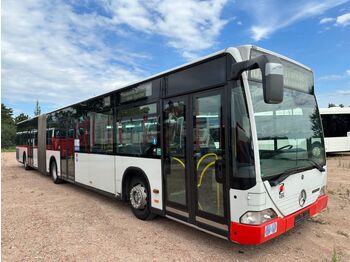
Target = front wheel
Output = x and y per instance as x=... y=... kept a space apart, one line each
x=140 y=199
x=316 y=149
x=54 y=173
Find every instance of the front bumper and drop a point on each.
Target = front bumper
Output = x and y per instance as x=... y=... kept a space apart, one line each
x=255 y=234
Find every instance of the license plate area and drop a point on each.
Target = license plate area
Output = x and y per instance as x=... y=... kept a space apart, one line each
x=298 y=219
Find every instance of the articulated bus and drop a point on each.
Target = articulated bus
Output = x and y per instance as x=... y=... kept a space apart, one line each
x=336 y=126
x=225 y=144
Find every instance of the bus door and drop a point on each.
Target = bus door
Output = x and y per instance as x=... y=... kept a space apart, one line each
x=67 y=151
x=30 y=147
x=194 y=150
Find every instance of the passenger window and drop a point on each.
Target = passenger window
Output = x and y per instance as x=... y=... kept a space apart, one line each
x=138 y=131
x=102 y=132
x=83 y=134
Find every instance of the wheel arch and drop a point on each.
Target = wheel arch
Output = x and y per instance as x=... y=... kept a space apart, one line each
x=129 y=173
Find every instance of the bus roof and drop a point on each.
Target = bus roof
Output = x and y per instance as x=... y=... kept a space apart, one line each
x=244 y=51
x=335 y=110
x=248 y=48
x=27 y=120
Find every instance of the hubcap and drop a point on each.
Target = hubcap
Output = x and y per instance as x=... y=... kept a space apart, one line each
x=316 y=151
x=138 y=197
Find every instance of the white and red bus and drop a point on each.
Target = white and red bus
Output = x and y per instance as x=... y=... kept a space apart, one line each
x=336 y=126
x=224 y=144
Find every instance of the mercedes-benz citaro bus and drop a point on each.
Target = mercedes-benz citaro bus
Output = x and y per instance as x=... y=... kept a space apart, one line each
x=336 y=126
x=225 y=144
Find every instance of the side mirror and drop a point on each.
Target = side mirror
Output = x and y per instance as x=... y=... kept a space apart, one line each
x=272 y=75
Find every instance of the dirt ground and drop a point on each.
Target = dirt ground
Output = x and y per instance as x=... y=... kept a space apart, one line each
x=42 y=221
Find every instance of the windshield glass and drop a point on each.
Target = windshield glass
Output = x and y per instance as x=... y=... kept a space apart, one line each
x=289 y=134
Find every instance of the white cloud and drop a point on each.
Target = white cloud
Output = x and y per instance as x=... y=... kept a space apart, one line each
x=333 y=77
x=55 y=52
x=189 y=26
x=58 y=56
x=343 y=20
x=333 y=95
x=326 y=20
x=272 y=15
x=344 y=92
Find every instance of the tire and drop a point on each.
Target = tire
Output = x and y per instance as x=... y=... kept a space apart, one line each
x=316 y=149
x=139 y=197
x=53 y=173
x=25 y=163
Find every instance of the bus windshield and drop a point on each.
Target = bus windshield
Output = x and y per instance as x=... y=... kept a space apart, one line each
x=290 y=135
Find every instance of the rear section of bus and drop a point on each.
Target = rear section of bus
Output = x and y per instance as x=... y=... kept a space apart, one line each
x=289 y=156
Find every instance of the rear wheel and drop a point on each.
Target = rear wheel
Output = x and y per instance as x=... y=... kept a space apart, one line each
x=25 y=163
x=140 y=199
x=54 y=173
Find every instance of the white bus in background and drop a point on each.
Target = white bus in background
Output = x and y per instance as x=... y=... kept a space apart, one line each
x=336 y=127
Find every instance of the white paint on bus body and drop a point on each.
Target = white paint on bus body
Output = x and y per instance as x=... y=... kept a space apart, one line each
x=35 y=157
x=57 y=156
x=243 y=200
x=105 y=172
x=21 y=150
x=311 y=181
x=97 y=171
x=151 y=167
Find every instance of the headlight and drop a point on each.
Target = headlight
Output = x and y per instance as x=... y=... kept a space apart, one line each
x=258 y=217
x=323 y=190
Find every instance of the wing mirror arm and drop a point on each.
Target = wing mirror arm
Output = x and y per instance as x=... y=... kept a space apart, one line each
x=272 y=75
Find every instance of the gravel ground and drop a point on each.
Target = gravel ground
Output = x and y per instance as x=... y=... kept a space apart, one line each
x=42 y=221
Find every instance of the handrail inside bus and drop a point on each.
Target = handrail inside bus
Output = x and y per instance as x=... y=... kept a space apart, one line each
x=206 y=155
x=179 y=160
x=202 y=175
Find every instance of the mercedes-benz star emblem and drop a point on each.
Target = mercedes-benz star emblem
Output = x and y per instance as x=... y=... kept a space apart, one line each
x=302 y=198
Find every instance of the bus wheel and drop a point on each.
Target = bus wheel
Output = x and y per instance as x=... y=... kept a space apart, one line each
x=54 y=174
x=139 y=196
x=25 y=163
x=316 y=150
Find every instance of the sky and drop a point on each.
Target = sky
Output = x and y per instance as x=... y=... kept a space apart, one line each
x=62 y=51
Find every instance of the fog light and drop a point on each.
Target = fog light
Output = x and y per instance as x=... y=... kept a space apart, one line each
x=258 y=217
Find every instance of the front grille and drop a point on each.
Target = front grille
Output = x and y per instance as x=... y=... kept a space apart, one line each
x=298 y=219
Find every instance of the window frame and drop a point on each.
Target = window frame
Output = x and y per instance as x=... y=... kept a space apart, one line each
x=144 y=102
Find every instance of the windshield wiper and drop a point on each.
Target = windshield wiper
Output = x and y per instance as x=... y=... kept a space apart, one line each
x=277 y=179
x=282 y=176
x=315 y=164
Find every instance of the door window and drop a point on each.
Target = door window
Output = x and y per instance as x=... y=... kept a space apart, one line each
x=207 y=153
x=175 y=151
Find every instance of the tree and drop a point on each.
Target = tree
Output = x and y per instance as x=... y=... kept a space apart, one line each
x=341 y=105
x=8 y=128
x=37 y=110
x=331 y=105
x=21 y=117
